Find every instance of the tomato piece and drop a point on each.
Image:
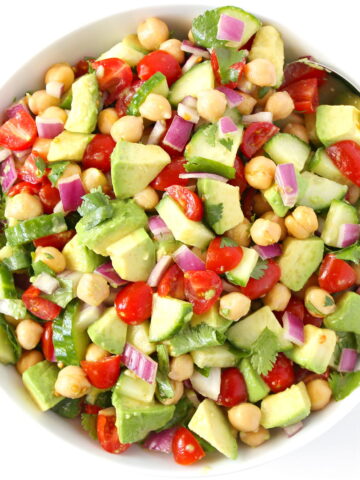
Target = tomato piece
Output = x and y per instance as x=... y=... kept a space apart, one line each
x=215 y=66
x=23 y=187
x=247 y=202
x=40 y=307
x=304 y=375
x=186 y=449
x=255 y=136
x=30 y=172
x=159 y=61
x=170 y=175
x=223 y=255
x=239 y=66
x=49 y=197
x=92 y=409
x=124 y=98
x=107 y=432
x=57 y=240
x=172 y=283
x=309 y=319
x=97 y=153
x=233 y=388
x=112 y=73
x=346 y=156
x=257 y=288
x=305 y=95
x=82 y=66
x=281 y=376
x=47 y=345
x=133 y=303
x=239 y=180
x=202 y=288
x=189 y=201
x=104 y=373
x=296 y=71
x=19 y=132
x=335 y=275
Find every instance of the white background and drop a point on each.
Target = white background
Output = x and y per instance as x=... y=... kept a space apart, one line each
x=26 y=27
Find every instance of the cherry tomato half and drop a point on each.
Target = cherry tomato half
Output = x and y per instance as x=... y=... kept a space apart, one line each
x=202 y=288
x=107 y=432
x=239 y=66
x=188 y=201
x=30 y=171
x=133 y=303
x=186 y=449
x=49 y=197
x=239 y=180
x=159 y=61
x=335 y=275
x=255 y=136
x=233 y=388
x=295 y=71
x=112 y=73
x=40 y=307
x=92 y=409
x=23 y=187
x=281 y=376
x=56 y=240
x=346 y=156
x=223 y=255
x=98 y=151
x=172 y=283
x=124 y=97
x=104 y=373
x=256 y=288
x=19 y=132
x=170 y=175
x=305 y=94
x=47 y=345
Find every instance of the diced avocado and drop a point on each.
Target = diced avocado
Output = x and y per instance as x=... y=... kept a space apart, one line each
x=316 y=352
x=10 y=349
x=339 y=213
x=126 y=52
x=198 y=78
x=126 y=218
x=66 y=100
x=134 y=166
x=322 y=165
x=68 y=146
x=240 y=275
x=337 y=122
x=139 y=336
x=80 y=258
x=288 y=148
x=268 y=44
x=244 y=333
x=212 y=318
x=109 y=332
x=273 y=197
x=318 y=192
x=285 y=408
x=299 y=260
x=40 y=382
x=346 y=316
x=210 y=423
x=129 y=385
x=34 y=228
x=222 y=204
x=257 y=389
x=155 y=84
x=185 y=230
x=132 y=40
x=218 y=356
x=166 y=246
x=133 y=256
x=169 y=315
x=82 y=117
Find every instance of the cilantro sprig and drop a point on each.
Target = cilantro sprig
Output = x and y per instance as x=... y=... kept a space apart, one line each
x=263 y=352
x=260 y=269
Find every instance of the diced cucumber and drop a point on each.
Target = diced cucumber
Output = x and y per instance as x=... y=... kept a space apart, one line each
x=212 y=318
x=138 y=335
x=198 y=78
x=134 y=387
x=240 y=275
x=169 y=315
x=109 y=332
x=338 y=214
x=10 y=349
x=34 y=228
x=7 y=286
x=318 y=192
x=14 y=308
x=287 y=148
x=322 y=165
x=273 y=197
x=218 y=356
x=155 y=84
x=68 y=408
x=18 y=259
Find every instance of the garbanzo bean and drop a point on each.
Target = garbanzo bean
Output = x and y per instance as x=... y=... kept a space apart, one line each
x=234 y=305
x=278 y=297
x=128 y=128
x=29 y=333
x=178 y=388
x=173 y=46
x=261 y=72
x=28 y=359
x=70 y=170
x=23 y=206
x=241 y=233
x=247 y=104
x=245 y=417
x=302 y=222
x=72 y=382
x=93 y=289
x=93 y=178
x=94 y=353
x=55 y=113
x=298 y=130
x=147 y=198
x=40 y=101
x=319 y=302
x=280 y=104
x=106 y=120
x=255 y=439
x=319 y=392
x=60 y=72
x=211 y=104
x=279 y=220
x=155 y=107
x=260 y=172
x=263 y=232
x=52 y=257
x=181 y=368
x=152 y=33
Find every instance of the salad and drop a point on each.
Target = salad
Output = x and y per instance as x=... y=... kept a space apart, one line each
x=180 y=240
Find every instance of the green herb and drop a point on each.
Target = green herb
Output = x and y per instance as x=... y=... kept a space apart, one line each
x=328 y=301
x=227 y=58
x=92 y=201
x=264 y=351
x=193 y=338
x=68 y=408
x=344 y=340
x=49 y=256
x=227 y=143
x=89 y=424
x=260 y=269
x=91 y=69
x=227 y=242
x=351 y=254
x=263 y=91
x=205 y=372
x=214 y=212
x=342 y=384
x=164 y=389
x=41 y=166
x=41 y=267
x=57 y=169
x=210 y=135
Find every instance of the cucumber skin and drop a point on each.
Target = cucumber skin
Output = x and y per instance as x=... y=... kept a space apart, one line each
x=34 y=228
x=8 y=331
x=145 y=89
x=7 y=286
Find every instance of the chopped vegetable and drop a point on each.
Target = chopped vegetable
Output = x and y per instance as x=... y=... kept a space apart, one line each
x=136 y=361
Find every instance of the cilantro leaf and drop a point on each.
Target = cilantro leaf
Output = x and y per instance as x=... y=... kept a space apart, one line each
x=95 y=217
x=41 y=166
x=260 y=269
x=227 y=57
x=227 y=143
x=351 y=254
x=328 y=301
x=227 y=242
x=214 y=212
x=205 y=371
x=344 y=340
x=263 y=91
x=57 y=169
x=163 y=389
x=264 y=351
x=343 y=384
x=88 y=423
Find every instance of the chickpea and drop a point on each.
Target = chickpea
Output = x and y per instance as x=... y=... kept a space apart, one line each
x=319 y=392
x=234 y=305
x=72 y=382
x=260 y=205
x=94 y=353
x=40 y=101
x=298 y=130
x=28 y=359
x=247 y=104
x=211 y=104
x=52 y=257
x=278 y=297
x=199 y=253
x=147 y=198
x=152 y=33
x=23 y=206
x=255 y=439
x=70 y=170
x=60 y=72
x=245 y=417
x=319 y=302
x=241 y=233
x=279 y=220
x=55 y=113
x=93 y=289
x=280 y=104
x=106 y=120
x=41 y=147
x=181 y=368
x=356 y=269
x=261 y=72
x=353 y=194
x=156 y=107
x=29 y=333
x=128 y=128
x=93 y=178
x=302 y=222
x=310 y=125
x=178 y=388
x=173 y=46
x=296 y=118
x=263 y=232
x=260 y=172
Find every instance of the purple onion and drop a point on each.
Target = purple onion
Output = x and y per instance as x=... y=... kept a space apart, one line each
x=157 y=132
x=233 y=98
x=71 y=192
x=229 y=287
x=188 y=113
x=226 y=126
x=268 y=251
x=293 y=328
x=348 y=359
x=230 y=29
x=16 y=107
x=161 y=441
x=8 y=173
x=257 y=117
x=158 y=271
x=210 y=176
x=348 y=234
x=187 y=260
x=190 y=47
x=190 y=62
x=55 y=89
x=158 y=227
x=48 y=127
x=285 y=177
x=139 y=363
x=292 y=430
x=107 y=271
x=178 y=133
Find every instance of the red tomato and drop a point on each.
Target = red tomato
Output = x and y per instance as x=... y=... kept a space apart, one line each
x=49 y=197
x=47 y=345
x=247 y=202
x=57 y=240
x=124 y=98
x=305 y=94
x=30 y=172
x=346 y=156
x=309 y=319
x=255 y=136
x=239 y=66
x=104 y=373
x=107 y=432
x=40 y=307
x=281 y=376
x=233 y=388
x=188 y=201
x=98 y=151
x=19 y=132
x=172 y=283
x=304 y=375
x=159 y=61
x=23 y=187
x=203 y=289
x=82 y=66
x=335 y=275
x=296 y=307
x=92 y=409
x=258 y=288
x=186 y=449
x=170 y=175
x=112 y=73
x=300 y=71
x=221 y=258
x=239 y=180
x=134 y=303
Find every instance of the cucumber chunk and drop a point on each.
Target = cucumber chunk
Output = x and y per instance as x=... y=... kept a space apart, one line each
x=318 y=192
x=169 y=315
x=338 y=214
x=198 y=78
x=155 y=84
x=34 y=228
x=287 y=148
x=10 y=349
x=240 y=275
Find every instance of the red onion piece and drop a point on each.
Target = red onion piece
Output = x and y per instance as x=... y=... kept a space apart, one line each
x=291 y=430
x=48 y=127
x=178 y=133
x=55 y=89
x=4 y=154
x=229 y=287
x=188 y=113
x=187 y=260
x=161 y=441
x=269 y=251
x=8 y=173
x=207 y=386
x=46 y=283
x=348 y=234
x=285 y=177
x=158 y=227
x=230 y=29
x=158 y=271
x=139 y=363
x=293 y=328
x=107 y=271
x=211 y=176
x=190 y=62
x=190 y=47
x=189 y=101
x=233 y=98
x=157 y=132
x=71 y=192
x=348 y=359
x=257 y=117
x=16 y=107
x=226 y=126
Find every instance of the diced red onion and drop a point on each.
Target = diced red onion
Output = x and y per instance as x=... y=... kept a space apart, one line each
x=187 y=260
x=348 y=234
x=226 y=126
x=348 y=359
x=158 y=271
x=188 y=113
x=233 y=98
x=139 y=363
x=189 y=101
x=107 y=271
x=229 y=287
x=178 y=133
x=4 y=154
x=257 y=117
x=230 y=28
x=71 y=192
x=207 y=386
x=157 y=132
x=210 y=176
x=55 y=89
x=158 y=227
x=16 y=107
x=269 y=251
x=190 y=47
x=161 y=441
x=48 y=127
x=46 y=283
x=293 y=328
x=190 y=62
x=291 y=430
x=88 y=315
x=285 y=177
x=8 y=173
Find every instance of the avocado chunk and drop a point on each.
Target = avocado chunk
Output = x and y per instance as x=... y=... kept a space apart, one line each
x=10 y=349
x=68 y=146
x=240 y=275
x=85 y=104
x=218 y=356
x=166 y=246
x=131 y=386
x=155 y=84
x=273 y=197
x=128 y=50
x=222 y=204
x=299 y=260
x=257 y=389
x=126 y=218
x=133 y=256
x=337 y=122
x=210 y=423
x=40 y=381
x=285 y=408
x=80 y=258
x=318 y=192
x=134 y=166
x=346 y=316
x=338 y=214
x=198 y=78
x=132 y=40
x=212 y=318
x=139 y=336
x=109 y=332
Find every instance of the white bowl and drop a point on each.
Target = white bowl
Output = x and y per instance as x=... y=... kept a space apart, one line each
x=92 y=40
